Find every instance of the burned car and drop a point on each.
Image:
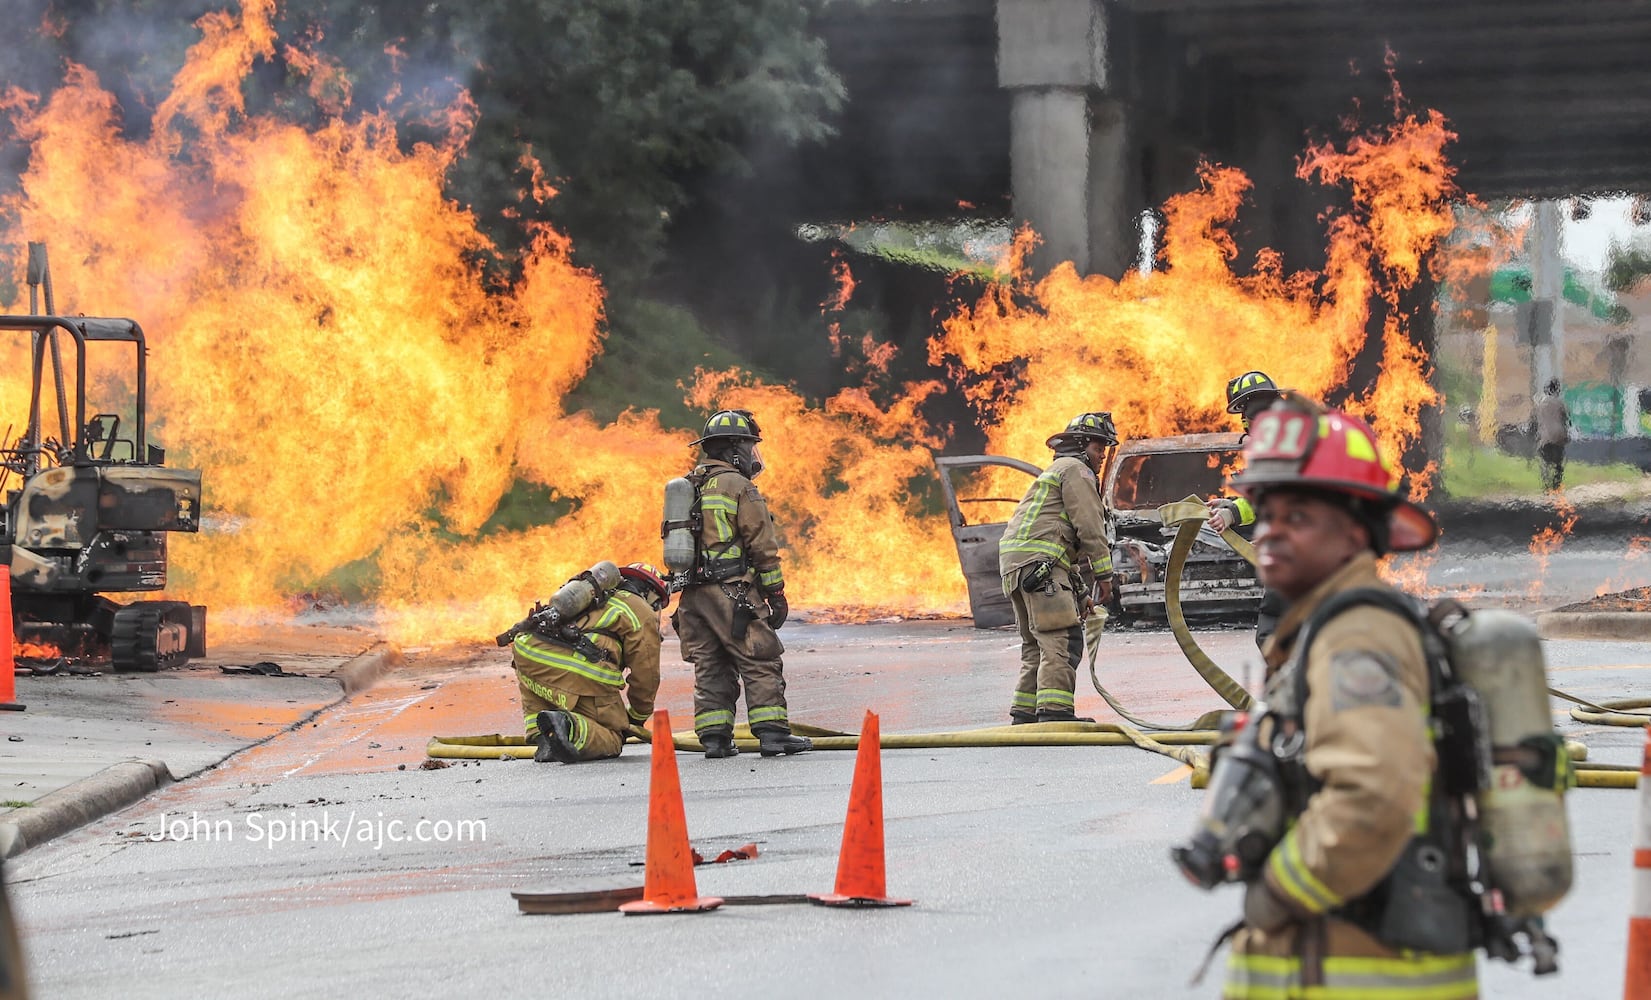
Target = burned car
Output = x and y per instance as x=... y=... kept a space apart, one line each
x=1216 y=583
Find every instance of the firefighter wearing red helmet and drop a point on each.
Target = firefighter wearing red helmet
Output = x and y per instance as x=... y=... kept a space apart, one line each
x=578 y=702
x=1348 y=712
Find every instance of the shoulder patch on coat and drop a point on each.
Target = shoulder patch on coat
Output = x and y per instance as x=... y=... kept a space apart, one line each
x=1359 y=679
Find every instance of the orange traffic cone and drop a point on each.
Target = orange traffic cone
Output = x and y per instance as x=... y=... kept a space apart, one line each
x=668 y=885
x=1638 y=984
x=860 y=879
x=8 y=662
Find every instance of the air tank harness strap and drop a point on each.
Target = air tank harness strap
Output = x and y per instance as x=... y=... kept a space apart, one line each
x=580 y=642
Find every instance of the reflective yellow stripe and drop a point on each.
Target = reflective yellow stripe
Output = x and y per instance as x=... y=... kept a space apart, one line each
x=712 y=719
x=1055 y=696
x=1408 y=977
x=615 y=609
x=1292 y=875
x=1054 y=550
x=771 y=713
x=1246 y=510
x=570 y=661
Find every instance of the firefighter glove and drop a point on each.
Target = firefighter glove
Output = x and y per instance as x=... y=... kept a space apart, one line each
x=1263 y=909
x=1223 y=514
x=1103 y=590
x=778 y=609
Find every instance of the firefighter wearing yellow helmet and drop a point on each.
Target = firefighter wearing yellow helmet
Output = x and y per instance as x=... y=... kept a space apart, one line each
x=1055 y=549
x=585 y=685
x=1332 y=911
x=734 y=599
x=1247 y=395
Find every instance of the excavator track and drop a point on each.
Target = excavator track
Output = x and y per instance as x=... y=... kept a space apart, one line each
x=150 y=635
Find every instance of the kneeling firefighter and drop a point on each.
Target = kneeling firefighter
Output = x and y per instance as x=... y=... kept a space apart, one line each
x=1056 y=550
x=722 y=548
x=1396 y=802
x=598 y=637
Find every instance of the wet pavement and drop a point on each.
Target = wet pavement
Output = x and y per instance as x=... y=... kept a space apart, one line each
x=188 y=719
x=298 y=869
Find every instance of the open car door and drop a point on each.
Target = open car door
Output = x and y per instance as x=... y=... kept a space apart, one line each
x=981 y=493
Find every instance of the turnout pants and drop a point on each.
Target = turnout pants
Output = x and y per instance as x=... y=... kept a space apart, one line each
x=599 y=721
x=705 y=622
x=1051 y=647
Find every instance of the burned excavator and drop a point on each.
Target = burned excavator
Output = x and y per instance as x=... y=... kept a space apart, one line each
x=91 y=508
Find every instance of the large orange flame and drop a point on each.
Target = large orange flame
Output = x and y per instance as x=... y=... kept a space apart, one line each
x=1158 y=349
x=327 y=347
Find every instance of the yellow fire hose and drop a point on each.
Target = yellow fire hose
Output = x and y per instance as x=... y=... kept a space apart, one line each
x=1188 y=516
x=1046 y=734
x=1171 y=740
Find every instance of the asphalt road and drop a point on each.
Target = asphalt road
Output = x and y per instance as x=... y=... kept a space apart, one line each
x=1036 y=871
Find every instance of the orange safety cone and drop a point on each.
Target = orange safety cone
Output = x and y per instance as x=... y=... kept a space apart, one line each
x=1638 y=984
x=860 y=878
x=668 y=884
x=8 y=662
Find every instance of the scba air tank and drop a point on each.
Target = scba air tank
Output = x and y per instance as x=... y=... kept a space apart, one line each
x=1525 y=841
x=576 y=596
x=676 y=528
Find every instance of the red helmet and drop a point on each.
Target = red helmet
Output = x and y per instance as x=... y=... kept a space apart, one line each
x=1298 y=443
x=647 y=575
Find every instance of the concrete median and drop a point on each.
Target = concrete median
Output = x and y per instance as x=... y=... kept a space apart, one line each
x=78 y=803
x=1619 y=625
x=171 y=714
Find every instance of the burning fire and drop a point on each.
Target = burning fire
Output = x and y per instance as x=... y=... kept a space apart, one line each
x=1549 y=540
x=1158 y=349
x=36 y=651
x=1638 y=547
x=325 y=347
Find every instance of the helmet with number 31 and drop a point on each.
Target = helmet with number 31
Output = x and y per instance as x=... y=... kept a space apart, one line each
x=1297 y=442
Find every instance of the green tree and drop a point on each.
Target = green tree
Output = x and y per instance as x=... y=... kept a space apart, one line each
x=627 y=104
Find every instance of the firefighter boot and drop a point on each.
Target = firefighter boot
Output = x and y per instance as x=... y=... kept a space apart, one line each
x=773 y=742
x=555 y=739
x=1047 y=716
x=1022 y=718
x=718 y=745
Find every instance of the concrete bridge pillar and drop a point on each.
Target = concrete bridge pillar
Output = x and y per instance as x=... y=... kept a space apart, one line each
x=1074 y=165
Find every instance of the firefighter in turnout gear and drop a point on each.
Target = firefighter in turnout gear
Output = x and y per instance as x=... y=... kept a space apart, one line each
x=734 y=600
x=571 y=696
x=1056 y=561
x=1247 y=395
x=1334 y=909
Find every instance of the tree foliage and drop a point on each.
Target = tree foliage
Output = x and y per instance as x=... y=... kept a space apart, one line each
x=627 y=104
x=1625 y=267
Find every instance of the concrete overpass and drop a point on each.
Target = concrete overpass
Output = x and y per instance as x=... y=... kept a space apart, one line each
x=1076 y=115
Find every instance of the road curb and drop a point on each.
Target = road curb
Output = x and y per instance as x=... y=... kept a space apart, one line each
x=78 y=803
x=1622 y=625
x=362 y=672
